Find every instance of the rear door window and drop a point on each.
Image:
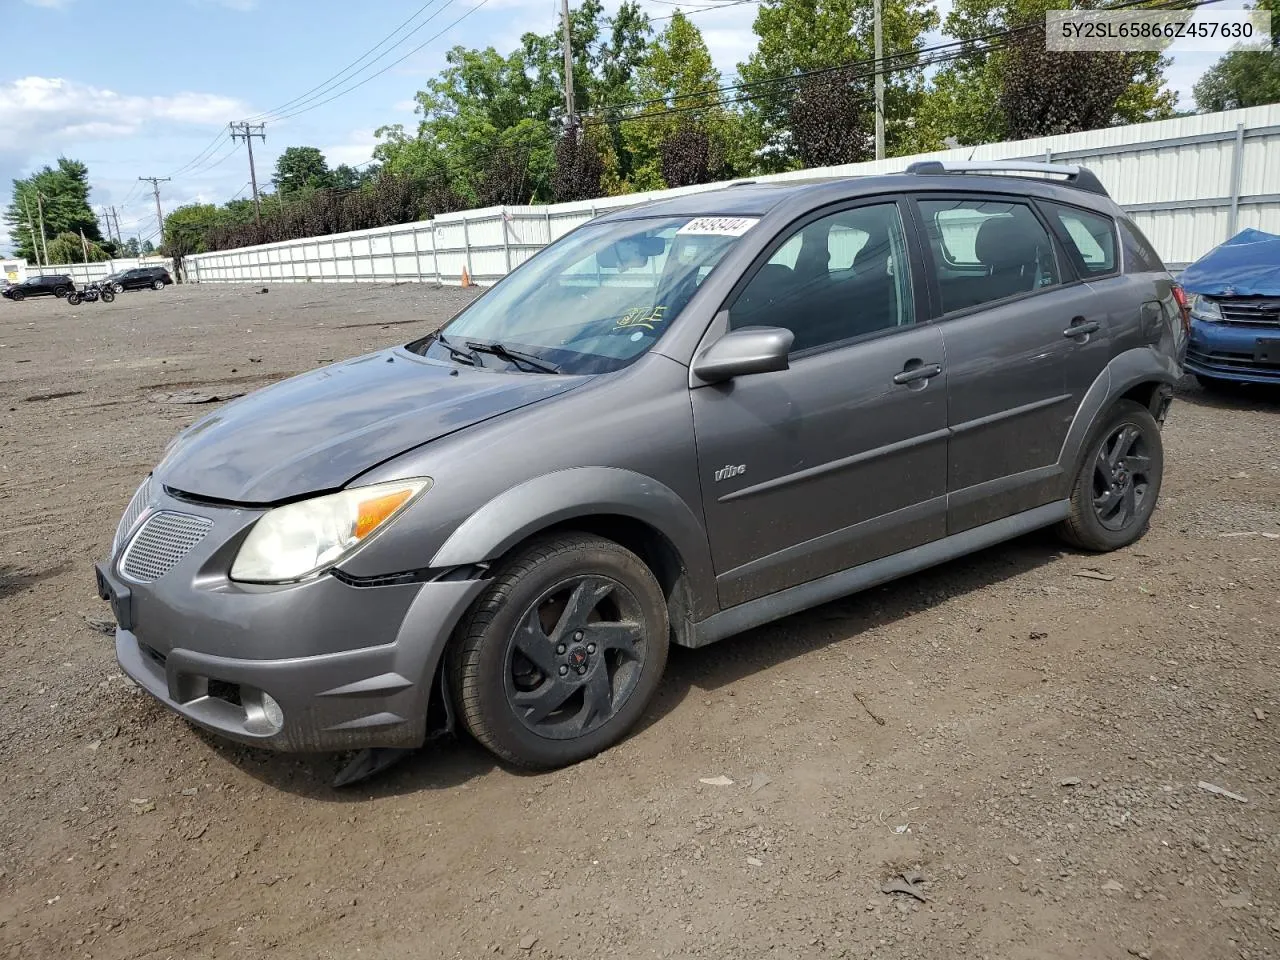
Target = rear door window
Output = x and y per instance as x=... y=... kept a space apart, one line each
x=986 y=249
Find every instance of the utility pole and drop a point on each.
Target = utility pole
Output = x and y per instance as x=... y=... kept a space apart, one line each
x=879 y=42
x=84 y=246
x=119 y=235
x=155 y=187
x=106 y=218
x=40 y=211
x=31 y=227
x=246 y=132
x=571 y=118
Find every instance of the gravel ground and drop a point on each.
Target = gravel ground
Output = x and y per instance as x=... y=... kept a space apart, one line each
x=1029 y=740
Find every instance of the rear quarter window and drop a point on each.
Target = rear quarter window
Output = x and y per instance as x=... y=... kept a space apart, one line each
x=1090 y=239
x=1139 y=255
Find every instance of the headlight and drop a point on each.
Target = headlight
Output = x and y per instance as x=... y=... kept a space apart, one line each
x=293 y=541
x=1202 y=308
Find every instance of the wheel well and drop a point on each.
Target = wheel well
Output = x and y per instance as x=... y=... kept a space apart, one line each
x=658 y=553
x=1147 y=394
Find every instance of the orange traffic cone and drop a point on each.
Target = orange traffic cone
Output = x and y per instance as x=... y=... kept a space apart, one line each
x=466 y=278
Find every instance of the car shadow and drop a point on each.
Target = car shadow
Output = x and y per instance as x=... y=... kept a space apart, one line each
x=450 y=761
x=1230 y=396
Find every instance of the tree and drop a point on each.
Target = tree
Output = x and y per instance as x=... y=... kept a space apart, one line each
x=148 y=248
x=621 y=56
x=1243 y=78
x=186 y=229
x=67 y=247
x=677 y=75
x=579 y=168
x=63 y=191
x=132 y=248
x=301 y=168
x=803 y=35
x=971 y=99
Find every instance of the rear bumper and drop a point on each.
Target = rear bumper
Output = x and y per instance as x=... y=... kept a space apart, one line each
x=1232 y=352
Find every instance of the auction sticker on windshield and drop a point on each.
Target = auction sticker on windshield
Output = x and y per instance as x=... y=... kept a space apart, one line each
x=718 y=226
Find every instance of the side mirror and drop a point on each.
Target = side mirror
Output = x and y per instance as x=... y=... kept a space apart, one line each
x=745 y=351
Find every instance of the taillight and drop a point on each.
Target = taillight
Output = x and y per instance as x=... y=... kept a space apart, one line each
x=1184 y=307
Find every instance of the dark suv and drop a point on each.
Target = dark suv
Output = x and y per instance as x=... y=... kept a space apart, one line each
x=50 y=285
x=140 y=278
x=682 y=420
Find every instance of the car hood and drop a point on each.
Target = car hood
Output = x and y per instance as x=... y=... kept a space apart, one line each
x=320 y=430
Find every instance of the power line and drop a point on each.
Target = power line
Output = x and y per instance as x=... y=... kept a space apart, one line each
x=232 y=151
x=393 y=63
x=333 y=81
x=690 y=13
x=202 y=155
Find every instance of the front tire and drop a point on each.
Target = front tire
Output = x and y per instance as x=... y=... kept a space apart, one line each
x=16 y=296
x=118 y=287
x=559 y=657
x=1118 y=482
x=107 y=295
x=73 y=299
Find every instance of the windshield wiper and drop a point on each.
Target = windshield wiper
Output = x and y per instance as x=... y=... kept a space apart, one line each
x=455 y=352
x=513 y=356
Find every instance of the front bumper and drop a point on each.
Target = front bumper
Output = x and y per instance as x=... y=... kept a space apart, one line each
x=1234 y=352
x=314 y=666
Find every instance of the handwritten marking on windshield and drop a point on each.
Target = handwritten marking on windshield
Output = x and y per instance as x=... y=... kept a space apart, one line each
x=638 y=318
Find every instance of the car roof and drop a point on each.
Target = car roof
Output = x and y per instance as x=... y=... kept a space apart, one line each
x=748 y=198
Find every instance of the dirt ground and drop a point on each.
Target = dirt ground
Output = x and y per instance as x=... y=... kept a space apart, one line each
x=1030 y=739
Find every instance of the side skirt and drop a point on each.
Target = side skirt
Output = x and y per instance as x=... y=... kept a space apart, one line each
x=762 y=610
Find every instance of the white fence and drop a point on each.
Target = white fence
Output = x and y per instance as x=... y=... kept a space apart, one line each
x=1189 y=183
x=82 y=273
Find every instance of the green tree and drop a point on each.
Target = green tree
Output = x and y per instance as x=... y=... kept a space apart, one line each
x=971 y=99
x=186 y=229
x=621 y=56
x=677 y=74
x=301 y=168
x=148 y=248
x=63 y=192
x=1243 y=78
x=803 y=35
x=67 y=247
x=131 y=247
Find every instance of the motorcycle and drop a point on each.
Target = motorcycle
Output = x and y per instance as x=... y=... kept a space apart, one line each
x=90 y=293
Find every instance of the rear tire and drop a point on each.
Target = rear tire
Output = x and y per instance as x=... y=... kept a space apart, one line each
x=61 y=292
x=157 y=284
x=559 y=657
x=1118 y=481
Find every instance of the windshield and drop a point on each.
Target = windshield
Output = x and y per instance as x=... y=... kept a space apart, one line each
x=595 y=300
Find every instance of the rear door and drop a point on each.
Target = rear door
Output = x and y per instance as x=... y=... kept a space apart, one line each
x=841 y=458
x=1024 y=340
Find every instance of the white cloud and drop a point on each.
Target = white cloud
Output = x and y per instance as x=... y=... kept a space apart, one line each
x=43 y=113
x=357 y=148
x=405 y=106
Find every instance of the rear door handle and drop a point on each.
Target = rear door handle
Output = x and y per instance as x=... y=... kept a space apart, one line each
x=915 y=371
x=1081 y=327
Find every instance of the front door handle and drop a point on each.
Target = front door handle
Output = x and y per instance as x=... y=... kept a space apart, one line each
x=1080 y=327
x=916 y=371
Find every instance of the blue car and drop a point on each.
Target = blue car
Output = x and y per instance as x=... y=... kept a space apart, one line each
x=1235 y=312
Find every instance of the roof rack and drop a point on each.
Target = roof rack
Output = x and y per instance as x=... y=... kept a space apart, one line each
x=1082 y=178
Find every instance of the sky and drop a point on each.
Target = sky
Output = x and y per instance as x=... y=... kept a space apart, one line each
x=142 y=88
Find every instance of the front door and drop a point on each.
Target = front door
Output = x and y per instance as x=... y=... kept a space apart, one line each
x=1020 y=345
x=840 y=459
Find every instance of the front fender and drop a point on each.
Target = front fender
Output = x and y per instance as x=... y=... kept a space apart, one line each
x=1124 y=372
x=580 y=492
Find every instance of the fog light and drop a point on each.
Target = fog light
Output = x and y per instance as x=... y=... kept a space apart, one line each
x=274 y=715
x=263 y=716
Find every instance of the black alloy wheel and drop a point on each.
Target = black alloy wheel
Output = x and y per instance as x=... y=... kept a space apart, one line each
x=560 y=655
x=1118 y=481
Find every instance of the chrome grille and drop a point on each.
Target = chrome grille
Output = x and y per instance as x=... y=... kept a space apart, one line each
x=132 y=514
x=165 y=538
x=1251 y=313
